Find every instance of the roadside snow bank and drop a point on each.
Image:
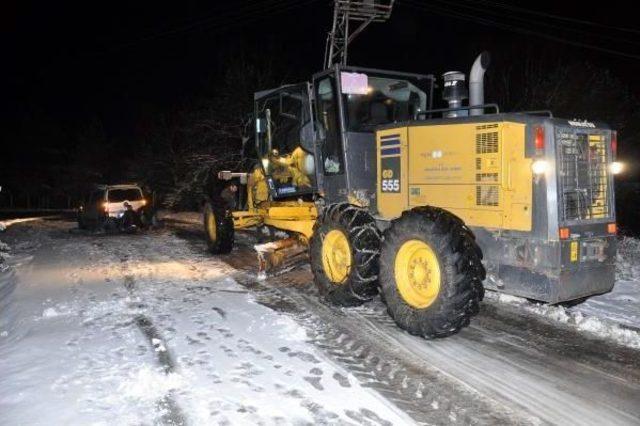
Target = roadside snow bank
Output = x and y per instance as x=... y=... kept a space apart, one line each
x=599 y=327
x=622 y=304
x=7 y=223
x=4 y=255
x=627 y=264
x=185 y=217
x=614 y=315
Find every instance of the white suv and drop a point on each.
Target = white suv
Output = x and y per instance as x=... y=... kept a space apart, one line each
x=107 y=206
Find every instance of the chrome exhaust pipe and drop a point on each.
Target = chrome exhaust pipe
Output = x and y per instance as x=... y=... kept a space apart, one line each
x=476 y=82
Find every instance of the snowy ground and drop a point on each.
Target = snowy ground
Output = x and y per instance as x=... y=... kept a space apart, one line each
x=149 y=329
x=614 y=316
x=109 y=335
x=622 y=305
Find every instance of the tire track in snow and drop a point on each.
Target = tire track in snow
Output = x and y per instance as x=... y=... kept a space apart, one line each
x=541 y=356
x=171 y=413
x=426 y=395
x=513 y=362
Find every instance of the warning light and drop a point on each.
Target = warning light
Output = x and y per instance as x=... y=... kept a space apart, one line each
x=539 y=139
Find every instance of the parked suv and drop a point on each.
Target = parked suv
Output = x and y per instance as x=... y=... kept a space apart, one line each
x=116 y=207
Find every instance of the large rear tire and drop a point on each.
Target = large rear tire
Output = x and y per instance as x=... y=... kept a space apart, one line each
x=344 y=253
x=218 y=228
x=431 y=272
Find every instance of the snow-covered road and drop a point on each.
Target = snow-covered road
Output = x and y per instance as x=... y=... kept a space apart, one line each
x=150 y=329
x=136 y=330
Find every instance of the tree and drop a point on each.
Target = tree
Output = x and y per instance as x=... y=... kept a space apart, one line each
x=182 y=149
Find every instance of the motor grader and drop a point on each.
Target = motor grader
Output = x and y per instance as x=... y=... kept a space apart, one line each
x=426 y=206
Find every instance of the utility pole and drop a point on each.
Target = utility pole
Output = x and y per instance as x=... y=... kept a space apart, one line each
x=346 y=12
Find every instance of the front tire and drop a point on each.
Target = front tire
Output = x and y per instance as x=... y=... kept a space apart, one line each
x=431 y=272
x=344 y=254
x=218 y=227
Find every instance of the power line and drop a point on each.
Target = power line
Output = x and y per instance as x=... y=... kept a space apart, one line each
x=491 y=23
x=224 y=20
x=549 y=24
x=553 y=16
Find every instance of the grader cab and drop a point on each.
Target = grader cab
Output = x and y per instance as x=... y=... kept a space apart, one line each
x=387 y=194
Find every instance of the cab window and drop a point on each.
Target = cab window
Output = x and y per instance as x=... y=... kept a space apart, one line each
x=327 y=119
x=387 y=100
x=289 y=167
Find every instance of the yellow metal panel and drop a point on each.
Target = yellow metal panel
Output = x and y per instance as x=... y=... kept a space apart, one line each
x=517 y=179
x=477 y=171
x=287 y=215
x=304 y=227
x=304 y=210
x=392 y=204
x=243 y=220
x=574 y=251
x=446 y=154
x=444 y=196
x=457 y=167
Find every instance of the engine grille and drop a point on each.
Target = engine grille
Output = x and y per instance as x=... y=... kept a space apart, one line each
x=582 y=159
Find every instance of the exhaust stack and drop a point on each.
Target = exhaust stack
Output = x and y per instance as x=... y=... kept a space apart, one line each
x=476 y=82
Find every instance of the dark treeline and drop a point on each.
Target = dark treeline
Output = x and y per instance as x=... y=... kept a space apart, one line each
x=175 y=149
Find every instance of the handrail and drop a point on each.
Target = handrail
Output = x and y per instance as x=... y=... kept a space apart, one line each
x=466 y=108
x=537 y=112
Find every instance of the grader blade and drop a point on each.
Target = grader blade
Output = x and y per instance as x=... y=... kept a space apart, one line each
x=280 y=256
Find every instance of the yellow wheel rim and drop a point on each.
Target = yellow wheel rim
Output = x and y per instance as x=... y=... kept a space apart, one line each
x=417 y=274
x=336 y=256
x=211 y=226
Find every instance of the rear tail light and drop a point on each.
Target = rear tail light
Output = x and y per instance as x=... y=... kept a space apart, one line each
x=539 y=139
x=614 y=144
x=612 y=228
x=564 y=233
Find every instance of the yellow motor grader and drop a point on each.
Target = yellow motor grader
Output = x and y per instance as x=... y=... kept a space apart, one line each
x=387 y=194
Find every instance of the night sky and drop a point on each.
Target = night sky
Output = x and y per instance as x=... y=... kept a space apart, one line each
x=65 y=63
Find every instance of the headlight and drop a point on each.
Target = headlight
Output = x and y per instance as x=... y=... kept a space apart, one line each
x=540 y=167
x=616 y=167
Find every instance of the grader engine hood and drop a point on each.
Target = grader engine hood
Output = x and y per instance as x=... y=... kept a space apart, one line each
x=536 y=191
x=466 y=168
